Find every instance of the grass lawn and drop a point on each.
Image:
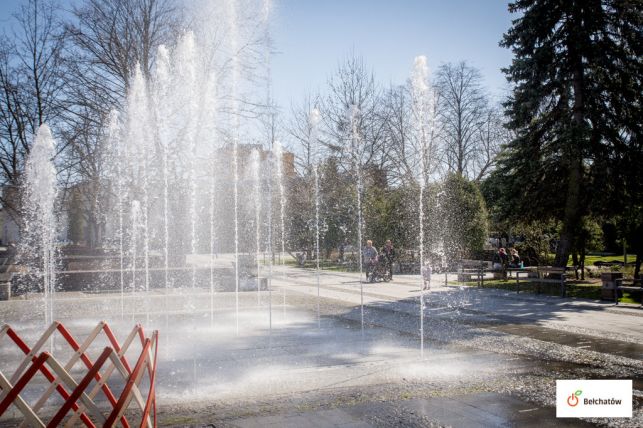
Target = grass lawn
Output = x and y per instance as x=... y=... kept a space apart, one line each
x=584 y=289
x=590 y=260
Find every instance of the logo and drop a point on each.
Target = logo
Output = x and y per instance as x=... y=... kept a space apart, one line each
x=573 y=400
x=593 y=398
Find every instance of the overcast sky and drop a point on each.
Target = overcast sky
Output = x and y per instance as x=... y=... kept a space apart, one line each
x=312 y=37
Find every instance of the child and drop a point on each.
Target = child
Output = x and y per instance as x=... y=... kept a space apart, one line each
x=426 y=275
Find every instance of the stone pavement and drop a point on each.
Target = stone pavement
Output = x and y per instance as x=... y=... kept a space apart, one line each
x=354 y=355
x=594 y=318
x=472 y=411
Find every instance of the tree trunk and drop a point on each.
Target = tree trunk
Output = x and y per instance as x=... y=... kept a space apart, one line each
x=572 y=214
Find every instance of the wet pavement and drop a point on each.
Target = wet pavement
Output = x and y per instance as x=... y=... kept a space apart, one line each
x=487 y=358
x=472 y=411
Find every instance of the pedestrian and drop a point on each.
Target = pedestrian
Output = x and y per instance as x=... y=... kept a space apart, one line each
x=389 y=253
x=369 y=255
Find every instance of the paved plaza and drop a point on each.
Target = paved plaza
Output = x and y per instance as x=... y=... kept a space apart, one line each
x=309 y=356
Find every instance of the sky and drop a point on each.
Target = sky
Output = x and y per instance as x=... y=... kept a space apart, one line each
x=311 y=38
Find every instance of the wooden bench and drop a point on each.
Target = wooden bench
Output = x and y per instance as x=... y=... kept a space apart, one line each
x=471 y=270
x=543 y=275
x=628 y=285
x=498 y=272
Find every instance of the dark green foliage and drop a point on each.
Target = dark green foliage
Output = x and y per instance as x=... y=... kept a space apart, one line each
x=338 y=214
x=576 y=111
x=454 y=211
x=464 y=218
x=536 y=241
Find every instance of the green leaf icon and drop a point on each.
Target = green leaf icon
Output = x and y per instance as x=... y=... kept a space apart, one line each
x=578 y=393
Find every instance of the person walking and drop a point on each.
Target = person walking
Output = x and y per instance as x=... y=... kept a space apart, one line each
x=389 y=253
x=369 y=255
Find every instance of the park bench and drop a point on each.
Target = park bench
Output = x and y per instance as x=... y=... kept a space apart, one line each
x=628 y=285
x=471 y=270
x=497 y=272
x=542 y=275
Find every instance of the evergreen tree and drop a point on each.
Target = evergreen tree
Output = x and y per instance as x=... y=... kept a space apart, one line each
x=575 y=107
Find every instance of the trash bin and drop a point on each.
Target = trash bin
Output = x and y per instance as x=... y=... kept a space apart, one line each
x=5 y=286
x=5 y=290
x=609 y=284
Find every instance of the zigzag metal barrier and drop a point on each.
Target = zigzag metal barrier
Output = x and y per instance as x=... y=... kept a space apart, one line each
x=75 y=395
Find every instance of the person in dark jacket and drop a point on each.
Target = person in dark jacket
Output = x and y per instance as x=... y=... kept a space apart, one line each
x=500 y=259
x=389 y=253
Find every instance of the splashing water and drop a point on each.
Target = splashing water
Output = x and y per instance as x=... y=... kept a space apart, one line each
x=255 y=170
x=356 y=156
x=40 y=227
x=162 y=93
x=422 y=107
x=233 y=30
x=115 y=141
x=135 y=217
x=314 y=120
x=279 y=159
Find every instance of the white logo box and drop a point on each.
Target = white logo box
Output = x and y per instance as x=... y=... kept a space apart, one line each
x=582 y=398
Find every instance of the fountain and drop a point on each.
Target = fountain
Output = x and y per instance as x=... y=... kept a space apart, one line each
x=139 y=147
x=255 y=168
x=135 y=216
x=161 y=93
x=39 y=245
x=114 y=141
x=175 y=162
x=314 y=143
x=423 y=116
x=279 y=161
x=197 y=193
x=356 y=159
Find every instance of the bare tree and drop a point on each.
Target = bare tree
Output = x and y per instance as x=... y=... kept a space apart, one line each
x=404 y=148
x=353 y=86
x=112 y=36
x=31 y=82
x=491 y=135
x=83 y=169
x=300 y=130
x=399 y=134
x=108 y=38
x=461 y=113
